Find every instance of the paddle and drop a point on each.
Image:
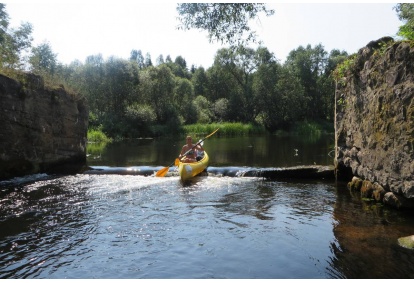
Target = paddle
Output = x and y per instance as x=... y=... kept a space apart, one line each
x=163 y=171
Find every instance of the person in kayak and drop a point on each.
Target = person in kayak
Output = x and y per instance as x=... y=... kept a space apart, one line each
x=191 y=151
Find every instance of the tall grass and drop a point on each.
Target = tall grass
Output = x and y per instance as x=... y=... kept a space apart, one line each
x=312 y=128
x=226 y=129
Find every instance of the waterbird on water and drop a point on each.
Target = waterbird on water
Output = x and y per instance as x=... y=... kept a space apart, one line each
x=296 y=152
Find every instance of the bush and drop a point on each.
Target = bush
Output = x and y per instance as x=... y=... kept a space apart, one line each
x=96 y=135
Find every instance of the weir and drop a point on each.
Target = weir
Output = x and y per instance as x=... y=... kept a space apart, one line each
x=296 y=172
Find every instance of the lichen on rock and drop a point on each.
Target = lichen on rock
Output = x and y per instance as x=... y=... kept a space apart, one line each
x=375 y=116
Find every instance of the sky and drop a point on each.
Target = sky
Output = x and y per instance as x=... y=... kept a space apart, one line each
x=77 y=29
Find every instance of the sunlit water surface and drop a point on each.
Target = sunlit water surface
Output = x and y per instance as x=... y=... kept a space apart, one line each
x=132 y=226
x=112 y=226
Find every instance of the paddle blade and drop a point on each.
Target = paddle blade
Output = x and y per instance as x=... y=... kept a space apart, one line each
x=177 y=162
x=211 y=134
x=162 y=172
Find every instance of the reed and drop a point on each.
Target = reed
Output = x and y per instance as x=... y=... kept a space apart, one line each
x=312 y=128
x=226 y=129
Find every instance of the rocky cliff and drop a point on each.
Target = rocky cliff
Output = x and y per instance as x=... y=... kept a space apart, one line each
x=375 y=121
x=42 y=129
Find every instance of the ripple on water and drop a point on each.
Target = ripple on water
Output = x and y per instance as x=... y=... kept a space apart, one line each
x=126 y=226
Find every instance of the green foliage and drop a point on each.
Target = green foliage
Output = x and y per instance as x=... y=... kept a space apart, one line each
x=203 y=109
x=13 y=42
x=226 y=129
x=405 y=13
x=138 y=120
x=309 y=65
x=341 y=102
x=384 y=46
x=97 y=136
x=43 y=61
x=183 y=100
x=221 y=109
x=344 y=69
x=224 y=22
x=200 y=82
x=307 y=128
x=157 y=89
x=245 y=91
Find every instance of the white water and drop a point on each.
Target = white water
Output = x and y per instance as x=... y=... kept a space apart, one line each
x=113 y=226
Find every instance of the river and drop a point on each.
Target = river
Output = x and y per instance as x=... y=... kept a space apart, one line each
x=123 y=224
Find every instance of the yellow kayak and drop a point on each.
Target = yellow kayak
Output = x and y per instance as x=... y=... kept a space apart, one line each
x=189 y=170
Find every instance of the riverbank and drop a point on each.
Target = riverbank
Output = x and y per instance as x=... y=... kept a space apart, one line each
x=315 y=128
x=240 y=129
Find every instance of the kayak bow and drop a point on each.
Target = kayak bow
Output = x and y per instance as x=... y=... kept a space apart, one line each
x=190 y=170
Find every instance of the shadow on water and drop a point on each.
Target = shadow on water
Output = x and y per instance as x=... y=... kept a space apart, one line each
x=117 y=221
x=366 y=235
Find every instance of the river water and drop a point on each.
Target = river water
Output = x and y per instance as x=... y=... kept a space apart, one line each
x=122 y=223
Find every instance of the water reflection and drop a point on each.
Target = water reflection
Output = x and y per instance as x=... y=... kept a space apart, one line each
x=114 y=226
x=262 y=151
x=138 y=226
x=42 y=229
x=251 y=202
x=367 y=235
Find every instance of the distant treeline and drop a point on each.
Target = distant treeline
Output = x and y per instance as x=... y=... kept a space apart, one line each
x=135 y=97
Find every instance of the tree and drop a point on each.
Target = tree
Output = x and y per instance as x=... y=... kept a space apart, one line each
x=216 y=85
x=157 y=86
x=241 y=64
x=278 y=96
x=222 y=84
x=139 y=118
x=121 y=82
x=327 y=82
x=405 y=13
x=91 y=78
x=180 y=61
x=43 y=61
x=221 y=109
x=308 y=64
x=224 y=22
x=200 y=81
x=267 y=100
x=13 y=42
x=183 y=99
x=264 y=56
x=168 y=59
x=160 y=60
x=202 y=106
x=111 y=88
x=178 y=67
x=136 y=56
x=148 y=61
x=4 y=22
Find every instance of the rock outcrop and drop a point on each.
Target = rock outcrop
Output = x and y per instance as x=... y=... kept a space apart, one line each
x=42 y=129
x=375 y=120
